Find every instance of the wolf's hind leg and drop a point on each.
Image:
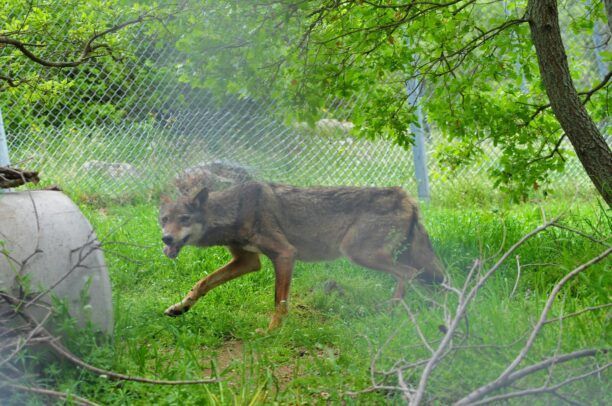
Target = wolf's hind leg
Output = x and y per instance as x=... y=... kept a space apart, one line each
x=381 y=260
x=283 y=268
x=242 y=263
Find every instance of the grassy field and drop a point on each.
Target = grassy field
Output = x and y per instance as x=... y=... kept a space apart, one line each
x=340 y=315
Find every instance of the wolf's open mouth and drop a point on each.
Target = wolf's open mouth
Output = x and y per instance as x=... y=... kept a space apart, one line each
x=172 y=250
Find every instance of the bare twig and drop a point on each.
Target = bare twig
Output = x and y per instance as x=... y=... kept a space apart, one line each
x=465 y=299
x=23 y=342
x=583 y=234
x=599 y=86
x=13 y=177
x=554 y=150
x=518 y=276
x=55 y=394
x=551 y=298
x=542 y=389
x=505 y=377
x=416 y=326
x=65 y=353
x=577 y=313
x=83 y=252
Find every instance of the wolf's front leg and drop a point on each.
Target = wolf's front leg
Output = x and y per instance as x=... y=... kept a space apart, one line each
x=280 y=312
x=243 y=262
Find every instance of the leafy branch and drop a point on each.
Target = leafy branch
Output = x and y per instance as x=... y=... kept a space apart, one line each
x=89 y=48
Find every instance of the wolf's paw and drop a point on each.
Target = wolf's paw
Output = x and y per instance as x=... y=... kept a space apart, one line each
x=176 y=310
x=275 y=322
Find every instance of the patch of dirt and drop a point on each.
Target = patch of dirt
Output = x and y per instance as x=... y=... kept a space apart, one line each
x=230 y=351
x=284 y=374
x=287 y=373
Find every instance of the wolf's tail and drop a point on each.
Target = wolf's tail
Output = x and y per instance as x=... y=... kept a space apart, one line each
x=419 y=253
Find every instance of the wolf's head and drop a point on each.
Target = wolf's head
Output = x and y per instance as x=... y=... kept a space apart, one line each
x=182 y=221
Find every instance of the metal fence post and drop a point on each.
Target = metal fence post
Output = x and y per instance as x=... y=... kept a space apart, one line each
x=414 y=88
x=419 y=152
x=4 y=156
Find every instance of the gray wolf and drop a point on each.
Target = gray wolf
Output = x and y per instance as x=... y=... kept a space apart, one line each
x=377 y=228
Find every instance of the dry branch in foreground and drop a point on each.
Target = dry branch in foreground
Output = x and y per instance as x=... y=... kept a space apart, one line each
x=421 y=370
x=13 y=177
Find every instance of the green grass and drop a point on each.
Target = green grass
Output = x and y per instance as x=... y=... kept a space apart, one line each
x=325 y=347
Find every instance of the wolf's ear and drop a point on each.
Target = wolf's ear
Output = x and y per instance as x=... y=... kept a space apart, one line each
x=165 y=199
x=200 y=198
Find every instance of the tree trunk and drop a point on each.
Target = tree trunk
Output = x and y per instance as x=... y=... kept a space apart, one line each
x=589 y=144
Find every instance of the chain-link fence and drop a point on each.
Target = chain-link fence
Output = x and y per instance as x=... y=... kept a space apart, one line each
x=130 y=128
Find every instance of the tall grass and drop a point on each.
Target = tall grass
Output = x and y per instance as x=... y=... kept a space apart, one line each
x=340 y=315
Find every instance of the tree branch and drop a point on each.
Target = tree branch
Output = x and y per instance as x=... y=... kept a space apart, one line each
x=9 y=80
x=553 y=151
x=579 y=312
x=55 y=394
x=86 y=53
x=542 y=389
x=601 y=85
x=13 y=177
x=583 y=234
x=59 y=349
x=587 y=93
x=465 y=299
x=507 y=376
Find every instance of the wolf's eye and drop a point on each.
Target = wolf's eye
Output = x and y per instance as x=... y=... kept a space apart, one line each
x=164 y=219
x=184 y=219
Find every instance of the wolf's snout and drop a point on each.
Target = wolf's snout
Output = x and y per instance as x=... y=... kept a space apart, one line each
x=167 y=239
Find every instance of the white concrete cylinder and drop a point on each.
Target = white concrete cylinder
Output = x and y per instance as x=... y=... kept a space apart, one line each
x=48 y=232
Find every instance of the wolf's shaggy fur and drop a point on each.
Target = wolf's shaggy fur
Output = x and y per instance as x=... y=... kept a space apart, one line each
x=377 y=228
x=215 y=175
